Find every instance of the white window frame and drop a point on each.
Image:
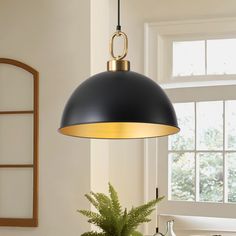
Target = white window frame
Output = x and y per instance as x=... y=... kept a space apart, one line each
x=157 y=66
x=205 y=37
x=158 y=41
x=156 y=166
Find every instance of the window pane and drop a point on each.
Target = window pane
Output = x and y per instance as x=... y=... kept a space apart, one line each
x=16 y=142
x=16 y=198
x=184 y=140
x=188 y=58
x=16 y=89
x=182 y=176
x=221 y=56
x=211 y=177
x=231 y=163
x=230 y=125
x=210 y=125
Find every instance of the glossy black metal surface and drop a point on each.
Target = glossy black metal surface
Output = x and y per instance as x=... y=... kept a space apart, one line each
x=121 y=96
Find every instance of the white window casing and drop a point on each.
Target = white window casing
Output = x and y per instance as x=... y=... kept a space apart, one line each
x=158 y=49
x=156 y=165
x=158 y=66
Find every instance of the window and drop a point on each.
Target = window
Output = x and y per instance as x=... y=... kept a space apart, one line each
x=184 y=53
x=18 y=144
x=202 y=157
x=195 y=62
x=196 y=168
x=204 y=57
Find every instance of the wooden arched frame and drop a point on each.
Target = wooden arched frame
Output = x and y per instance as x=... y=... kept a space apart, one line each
x=26 y=222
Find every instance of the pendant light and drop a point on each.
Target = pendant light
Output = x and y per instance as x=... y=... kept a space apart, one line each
x=118 y=103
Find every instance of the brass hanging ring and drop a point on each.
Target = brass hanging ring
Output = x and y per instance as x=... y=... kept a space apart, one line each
x=125 y=50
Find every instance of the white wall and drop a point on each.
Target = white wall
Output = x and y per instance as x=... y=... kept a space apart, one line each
x=136 y=12
x=53 y=36
x=126 y=170
x=128 y=155
x=99 y=55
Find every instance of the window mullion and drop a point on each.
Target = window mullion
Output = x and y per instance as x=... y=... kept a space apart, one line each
x=195 y=155
x=225 y=168
x=200 y=151
x=197 y=180
x=206 y=57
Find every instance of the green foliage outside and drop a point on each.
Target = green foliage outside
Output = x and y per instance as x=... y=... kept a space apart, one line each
x=211 y=177
x=112 y=219
x=231 y=177
x=183 y=177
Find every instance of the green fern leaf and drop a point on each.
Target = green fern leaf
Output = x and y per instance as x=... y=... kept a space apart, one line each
x=91 y=200
x=89 y=214
x=93 y=233
x=138 y=215
x=115 y=201
x=136 y=233
x=110 y=217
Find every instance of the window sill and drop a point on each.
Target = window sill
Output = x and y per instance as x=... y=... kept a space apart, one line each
x=197 y=223
x=193 y=84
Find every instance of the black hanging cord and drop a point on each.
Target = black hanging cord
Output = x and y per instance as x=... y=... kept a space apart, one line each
x=118 y=27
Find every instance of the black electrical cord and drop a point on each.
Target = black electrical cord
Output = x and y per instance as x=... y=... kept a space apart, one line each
x=118 y=27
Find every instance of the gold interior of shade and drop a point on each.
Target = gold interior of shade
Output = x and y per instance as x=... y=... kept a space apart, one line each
x=119 y=130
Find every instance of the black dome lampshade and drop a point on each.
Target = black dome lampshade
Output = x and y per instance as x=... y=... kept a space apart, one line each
x=119 y=104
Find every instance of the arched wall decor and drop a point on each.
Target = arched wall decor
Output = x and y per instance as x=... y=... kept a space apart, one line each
x=24 y=221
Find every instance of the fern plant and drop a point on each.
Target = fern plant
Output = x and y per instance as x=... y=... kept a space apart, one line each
x=112 y=219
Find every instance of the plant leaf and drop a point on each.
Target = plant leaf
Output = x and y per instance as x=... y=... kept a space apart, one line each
x=93 y=233
x=110 y=217
x=115 y=201
x=136 y=233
